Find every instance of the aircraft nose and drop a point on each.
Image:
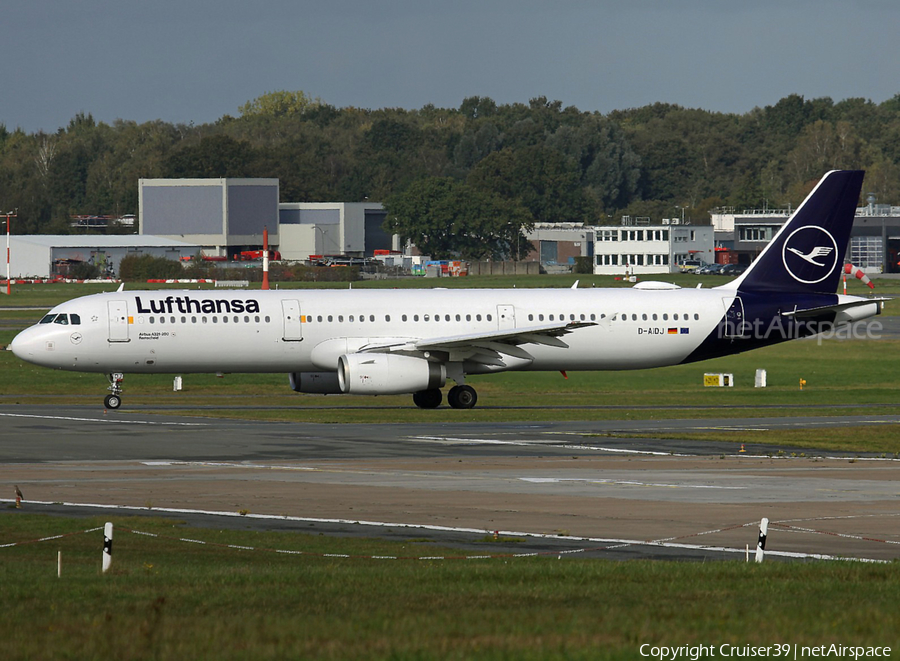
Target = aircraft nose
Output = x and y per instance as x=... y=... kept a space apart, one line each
x=23 y=345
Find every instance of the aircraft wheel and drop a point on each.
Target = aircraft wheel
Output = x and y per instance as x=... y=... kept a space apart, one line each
x=462 y=397
x=112 y=401
x=428 y=399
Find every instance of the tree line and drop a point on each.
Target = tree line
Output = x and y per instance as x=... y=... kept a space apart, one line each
x=465 y=180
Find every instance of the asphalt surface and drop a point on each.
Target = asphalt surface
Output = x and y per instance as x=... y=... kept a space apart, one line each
x=554 y=487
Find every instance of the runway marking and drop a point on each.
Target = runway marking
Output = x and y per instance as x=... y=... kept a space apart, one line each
x=450 y=440
x=545 y=480
x=229 y=464
x=478 y=531
x=104 y=420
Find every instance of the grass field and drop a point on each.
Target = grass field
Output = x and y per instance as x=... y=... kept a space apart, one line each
x=168 y=599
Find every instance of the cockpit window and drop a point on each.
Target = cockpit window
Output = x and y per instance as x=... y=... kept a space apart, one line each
x=62 y=319
x=75 y=319
x=48 y=319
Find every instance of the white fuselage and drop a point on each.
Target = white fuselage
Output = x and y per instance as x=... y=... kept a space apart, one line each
x=308 y=330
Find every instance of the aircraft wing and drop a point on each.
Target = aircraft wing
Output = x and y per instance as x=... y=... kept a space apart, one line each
x=489 y=346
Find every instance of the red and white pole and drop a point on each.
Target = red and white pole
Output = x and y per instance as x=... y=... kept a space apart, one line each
x=8 y=271
x=265 y=282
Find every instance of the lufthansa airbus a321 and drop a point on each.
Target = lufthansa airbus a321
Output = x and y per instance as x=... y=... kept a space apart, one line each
x=391 y=342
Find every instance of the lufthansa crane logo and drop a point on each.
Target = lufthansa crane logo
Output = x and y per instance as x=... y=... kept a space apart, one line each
x=810 y=254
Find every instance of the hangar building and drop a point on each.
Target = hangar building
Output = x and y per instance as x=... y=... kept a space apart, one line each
x=49 y=255
x=227 y=216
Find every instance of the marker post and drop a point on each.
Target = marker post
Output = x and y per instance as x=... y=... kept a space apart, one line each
x=107 y=546
x=761 y=542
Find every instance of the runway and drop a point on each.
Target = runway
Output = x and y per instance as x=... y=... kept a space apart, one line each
x=555 y=486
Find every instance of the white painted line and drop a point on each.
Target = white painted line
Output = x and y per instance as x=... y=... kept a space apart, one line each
x=544 y=480
x=105 y=420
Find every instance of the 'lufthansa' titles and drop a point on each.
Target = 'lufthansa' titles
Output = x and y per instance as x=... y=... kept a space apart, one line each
x=188 y=305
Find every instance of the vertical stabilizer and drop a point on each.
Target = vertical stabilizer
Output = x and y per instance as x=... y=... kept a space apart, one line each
x=807 y=254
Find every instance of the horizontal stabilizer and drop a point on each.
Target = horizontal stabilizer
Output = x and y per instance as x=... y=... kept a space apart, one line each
x=839 y=307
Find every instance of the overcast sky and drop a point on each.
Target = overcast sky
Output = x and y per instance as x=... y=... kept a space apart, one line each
x=196 y=60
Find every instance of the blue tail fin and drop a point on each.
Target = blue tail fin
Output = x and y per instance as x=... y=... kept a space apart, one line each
x=807 y=254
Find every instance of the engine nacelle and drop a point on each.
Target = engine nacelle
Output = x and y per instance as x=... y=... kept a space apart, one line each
x=323 y=383
x=386 y=374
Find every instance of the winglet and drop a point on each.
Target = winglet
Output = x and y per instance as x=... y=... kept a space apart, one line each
x=575 y=286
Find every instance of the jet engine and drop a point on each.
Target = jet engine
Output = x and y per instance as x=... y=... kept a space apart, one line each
x=323 y=383
x=386 y=374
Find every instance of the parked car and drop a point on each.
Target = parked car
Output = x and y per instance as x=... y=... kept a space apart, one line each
x=710 y=269
x=733 y=269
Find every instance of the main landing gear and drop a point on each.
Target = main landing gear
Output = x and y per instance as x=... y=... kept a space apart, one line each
x=114 y=400
x=459 y=397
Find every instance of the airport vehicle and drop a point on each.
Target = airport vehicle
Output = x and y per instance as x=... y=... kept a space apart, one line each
x=399 y=341
x=691 y=265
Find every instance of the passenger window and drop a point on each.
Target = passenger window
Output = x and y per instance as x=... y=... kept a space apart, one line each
x=655 y=317
x=203 y=319
x=62 y=319
x=330 y=319
x=540 y=317
x=634 y=317
x=215 y=320
x=489 y=317
x=152 y=320
x=236 y=319
x=256 y=319
x=351 y=319
x=477 y=317
x=387 y=317
x=224 y=319
x=172 y=319
x=675 y=317
x=602 y=316
x=468 y=317
x=582 y=317
x=644 y=316
x=531 y=317
x=425 y=317
x=371 y=317
x=268 y=319
x=403 y=318
x=550 y=317
x=457 y=317
x=75 y=319
x=696 y=316
x=665 y=317
x=48 y=319
x=193 y=320
x=415 y=317
x=340 y=318
x=184 y=320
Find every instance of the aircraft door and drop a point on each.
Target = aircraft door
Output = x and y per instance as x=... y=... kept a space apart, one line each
x=735 y=325
x=118 y=321
x=293 y=328
x=506 y=317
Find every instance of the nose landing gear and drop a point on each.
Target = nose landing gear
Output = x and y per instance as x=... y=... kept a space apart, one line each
x=114 y=400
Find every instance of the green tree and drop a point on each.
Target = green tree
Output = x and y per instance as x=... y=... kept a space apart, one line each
x=445 y=218
x=539 y=178
x=280 y=104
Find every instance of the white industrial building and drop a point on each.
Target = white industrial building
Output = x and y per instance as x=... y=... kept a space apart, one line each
x=332 y=228
x=638 y=248
x=49 y=255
